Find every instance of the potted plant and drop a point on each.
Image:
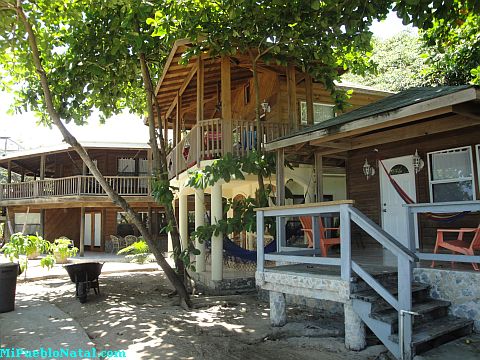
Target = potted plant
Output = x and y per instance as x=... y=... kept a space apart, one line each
x=62 y=249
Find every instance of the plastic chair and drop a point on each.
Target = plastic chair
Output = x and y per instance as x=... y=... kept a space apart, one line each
x=130 y=239
x=325 y=242
x=115 y=243
x=459 y=245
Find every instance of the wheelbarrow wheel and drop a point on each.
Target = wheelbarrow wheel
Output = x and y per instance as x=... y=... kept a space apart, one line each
x=82 y=292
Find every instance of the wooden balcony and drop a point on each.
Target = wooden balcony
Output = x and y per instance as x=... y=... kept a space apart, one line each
x=80 y=185
x=210 y=139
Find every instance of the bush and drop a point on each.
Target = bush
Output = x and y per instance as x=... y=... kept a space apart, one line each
x=23 y=247
x=137 y=252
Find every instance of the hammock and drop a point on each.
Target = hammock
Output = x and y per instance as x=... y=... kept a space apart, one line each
x=443 y=217
x=236 y=253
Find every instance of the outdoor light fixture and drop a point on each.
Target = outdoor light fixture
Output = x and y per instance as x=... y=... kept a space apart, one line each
x=265 y=106
x=368 y=170
x=418 y=163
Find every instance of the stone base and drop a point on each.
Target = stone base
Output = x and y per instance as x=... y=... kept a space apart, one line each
x=461 y=288
x=231 y=286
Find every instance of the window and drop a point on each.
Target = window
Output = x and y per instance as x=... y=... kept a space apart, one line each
x=451 y=175
x=398 y=170
x=321 y=112
x=126 y=166
x=31 y=222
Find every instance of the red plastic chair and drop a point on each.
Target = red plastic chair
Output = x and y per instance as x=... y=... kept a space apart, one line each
x=459 y=245
x=325 y=242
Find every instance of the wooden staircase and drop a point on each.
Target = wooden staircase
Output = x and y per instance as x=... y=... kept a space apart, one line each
x=431 y=327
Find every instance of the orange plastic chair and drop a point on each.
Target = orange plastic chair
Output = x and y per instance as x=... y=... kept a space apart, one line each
x=459 y=245
x=325 y=242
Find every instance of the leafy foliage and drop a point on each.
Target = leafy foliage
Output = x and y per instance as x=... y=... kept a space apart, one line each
x=138 y=252
x=397 y=63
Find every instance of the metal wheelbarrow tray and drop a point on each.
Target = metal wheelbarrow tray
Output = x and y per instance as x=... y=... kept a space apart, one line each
x=85 y=276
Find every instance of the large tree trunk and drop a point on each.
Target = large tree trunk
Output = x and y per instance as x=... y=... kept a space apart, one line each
x=72 y=141
x=160 y=157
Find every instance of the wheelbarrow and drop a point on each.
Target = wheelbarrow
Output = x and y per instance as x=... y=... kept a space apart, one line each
x=85 y=276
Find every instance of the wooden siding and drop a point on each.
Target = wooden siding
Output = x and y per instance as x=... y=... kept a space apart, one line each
x=62 y=222
x=366 y=193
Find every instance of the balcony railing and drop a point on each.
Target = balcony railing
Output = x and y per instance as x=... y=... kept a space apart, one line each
x=75 y=186
x=208 y=140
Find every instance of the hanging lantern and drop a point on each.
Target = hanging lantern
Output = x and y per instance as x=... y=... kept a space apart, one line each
x=368 y=170
x=418 y=163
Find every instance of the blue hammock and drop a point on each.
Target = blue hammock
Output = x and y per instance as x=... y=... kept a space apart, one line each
x=236 y=253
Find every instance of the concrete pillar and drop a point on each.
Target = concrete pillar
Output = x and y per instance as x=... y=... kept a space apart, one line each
x=278 y=309
x=183 y=219
x=355 y=338
x=200 y=221
x=217 y=240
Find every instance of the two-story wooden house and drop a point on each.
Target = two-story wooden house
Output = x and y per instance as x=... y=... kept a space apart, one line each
x=56 y=196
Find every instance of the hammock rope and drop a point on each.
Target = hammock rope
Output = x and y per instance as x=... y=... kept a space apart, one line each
x=443 y=217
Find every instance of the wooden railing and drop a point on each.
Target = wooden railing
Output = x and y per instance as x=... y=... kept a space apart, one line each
x=348 y=214
x=74 y=186
x=207 y=140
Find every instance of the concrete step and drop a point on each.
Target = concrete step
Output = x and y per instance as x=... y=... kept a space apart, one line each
x=429 y=310
x=437 y=332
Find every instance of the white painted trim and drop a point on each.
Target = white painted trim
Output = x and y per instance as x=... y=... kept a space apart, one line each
x=471 y=178
x=477 y=147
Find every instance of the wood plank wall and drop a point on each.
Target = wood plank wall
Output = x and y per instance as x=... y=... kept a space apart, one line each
x=63 y=222
x=367 y=193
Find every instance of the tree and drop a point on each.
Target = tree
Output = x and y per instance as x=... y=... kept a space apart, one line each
x=40 y=52
x=397 y=63
x=451 y=29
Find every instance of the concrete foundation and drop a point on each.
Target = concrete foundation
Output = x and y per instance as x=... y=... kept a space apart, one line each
x=355 y=338
x=278 y=309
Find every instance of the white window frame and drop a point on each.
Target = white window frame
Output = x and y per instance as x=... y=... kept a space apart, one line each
x=315 y=103
x=471 y=178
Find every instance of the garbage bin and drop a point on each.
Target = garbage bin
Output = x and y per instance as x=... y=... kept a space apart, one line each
x=8 y=284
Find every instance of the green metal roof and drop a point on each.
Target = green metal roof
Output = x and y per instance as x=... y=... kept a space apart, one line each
x=394 y=102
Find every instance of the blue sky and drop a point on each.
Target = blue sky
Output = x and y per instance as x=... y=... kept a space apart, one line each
x=123 y=128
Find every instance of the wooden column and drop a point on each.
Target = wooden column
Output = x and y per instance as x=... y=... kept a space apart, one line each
x=319 y=177
x=292 y=97
x=309 y=98
x=280 y=221
x=42 y=166
x=82 y=232
x=9 y=172
x=179 y=117
x=200 y=105
x=84 y=168
x=226 y=99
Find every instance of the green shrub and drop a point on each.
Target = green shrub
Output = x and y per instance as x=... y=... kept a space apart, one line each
x=137 y=252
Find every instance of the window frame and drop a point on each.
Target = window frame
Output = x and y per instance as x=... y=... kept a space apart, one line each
x=456 y=180
x=315 y=103
x=477 y=155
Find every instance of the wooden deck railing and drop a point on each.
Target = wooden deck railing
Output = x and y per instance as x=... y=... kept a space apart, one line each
x=207 y=140
x=74 y=186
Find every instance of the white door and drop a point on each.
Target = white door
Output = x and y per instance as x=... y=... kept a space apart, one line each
x=394 y=215
x=93 y=229
x=88 y=230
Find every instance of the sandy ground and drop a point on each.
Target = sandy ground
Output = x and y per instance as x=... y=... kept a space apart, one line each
x=134 y=313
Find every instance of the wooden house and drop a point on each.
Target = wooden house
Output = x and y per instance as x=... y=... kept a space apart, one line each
x=56 y=196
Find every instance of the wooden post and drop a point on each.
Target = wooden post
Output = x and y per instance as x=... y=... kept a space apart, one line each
x=42 y=166
x=319 y=177
x=309 y=95
x=200 y=109
x=179 y=117
x=82 y=232
x=292 y=97
x=9 y=172
x=280 y=220
x=42 y=222
x=226 y=99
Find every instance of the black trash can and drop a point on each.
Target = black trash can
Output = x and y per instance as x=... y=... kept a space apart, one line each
x=8 y=284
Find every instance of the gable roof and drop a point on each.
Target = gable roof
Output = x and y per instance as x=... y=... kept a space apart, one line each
x=385 y=109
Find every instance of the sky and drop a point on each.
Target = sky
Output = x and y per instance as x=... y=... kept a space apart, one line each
x=123 y=128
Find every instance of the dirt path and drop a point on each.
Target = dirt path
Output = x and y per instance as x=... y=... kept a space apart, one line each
x=134 y=314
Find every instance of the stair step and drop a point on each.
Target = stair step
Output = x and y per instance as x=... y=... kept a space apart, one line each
x=372 y=296
x=437 y=332
x=390 y=316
